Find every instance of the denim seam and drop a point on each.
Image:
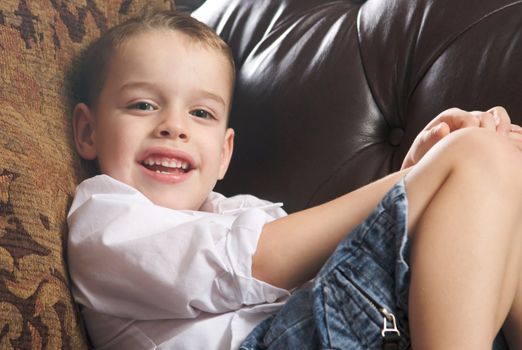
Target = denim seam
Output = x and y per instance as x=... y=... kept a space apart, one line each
x=363 y=307
x=279 y=336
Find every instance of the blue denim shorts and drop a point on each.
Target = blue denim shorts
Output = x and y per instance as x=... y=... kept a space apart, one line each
x=343 y=308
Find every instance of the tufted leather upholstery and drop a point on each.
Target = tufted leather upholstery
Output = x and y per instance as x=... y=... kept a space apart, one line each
x=330 y=94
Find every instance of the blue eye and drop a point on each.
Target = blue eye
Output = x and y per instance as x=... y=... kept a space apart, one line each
x=143 y=106
x=201 y=113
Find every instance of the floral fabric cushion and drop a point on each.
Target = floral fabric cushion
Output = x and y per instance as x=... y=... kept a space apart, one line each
x=38 y=166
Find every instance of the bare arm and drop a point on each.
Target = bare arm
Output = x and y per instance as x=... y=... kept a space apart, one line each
x=291 y=250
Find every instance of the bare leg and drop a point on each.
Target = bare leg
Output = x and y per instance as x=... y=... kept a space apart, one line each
x=465 y=200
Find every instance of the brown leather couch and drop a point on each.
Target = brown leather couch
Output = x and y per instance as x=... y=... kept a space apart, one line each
x=329 y=96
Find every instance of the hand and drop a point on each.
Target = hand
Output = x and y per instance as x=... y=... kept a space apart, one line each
x=515 y=135
x=496 y=119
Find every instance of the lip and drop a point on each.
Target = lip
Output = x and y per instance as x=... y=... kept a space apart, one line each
x=165 y=152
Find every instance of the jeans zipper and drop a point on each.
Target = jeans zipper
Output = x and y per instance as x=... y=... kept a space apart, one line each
x=390 y=333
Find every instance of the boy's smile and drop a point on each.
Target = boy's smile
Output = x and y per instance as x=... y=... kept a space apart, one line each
x=160 y=122
x=167 y=165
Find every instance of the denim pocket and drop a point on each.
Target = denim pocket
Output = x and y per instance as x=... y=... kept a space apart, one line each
x=345 y=318
x=362 y=289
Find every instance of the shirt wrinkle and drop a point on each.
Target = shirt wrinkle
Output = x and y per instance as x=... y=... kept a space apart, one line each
x=186 y=274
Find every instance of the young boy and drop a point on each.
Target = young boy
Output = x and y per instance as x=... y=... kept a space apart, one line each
x=159 y=261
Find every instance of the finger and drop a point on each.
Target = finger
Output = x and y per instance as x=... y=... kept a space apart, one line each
x=487 y=120
x=440 y=131
x=424 y=141
x=456 y=119
x=515 y=135
x=515 y=128
x=502 y=119
x=432 y=136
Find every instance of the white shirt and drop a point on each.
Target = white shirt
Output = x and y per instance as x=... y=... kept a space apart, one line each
x=150 y=277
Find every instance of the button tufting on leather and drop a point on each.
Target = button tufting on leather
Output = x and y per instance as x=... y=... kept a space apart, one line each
x=395 y=136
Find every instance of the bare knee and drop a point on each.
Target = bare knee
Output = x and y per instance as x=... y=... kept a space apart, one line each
x=478 y=163
x=486 y=156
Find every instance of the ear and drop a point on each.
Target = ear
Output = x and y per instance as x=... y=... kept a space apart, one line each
x=84 y=131
x=226 y=154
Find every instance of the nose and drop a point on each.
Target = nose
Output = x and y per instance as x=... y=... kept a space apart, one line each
x=172 y=125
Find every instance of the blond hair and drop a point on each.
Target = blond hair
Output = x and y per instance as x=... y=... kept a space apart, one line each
x=92 y=70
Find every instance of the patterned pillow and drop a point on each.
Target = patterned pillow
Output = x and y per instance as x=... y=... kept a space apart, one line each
x=38 y=167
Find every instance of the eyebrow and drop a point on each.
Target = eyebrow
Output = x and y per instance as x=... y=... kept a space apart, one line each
x=212 y=96
x=198 y=92
x=138 y=84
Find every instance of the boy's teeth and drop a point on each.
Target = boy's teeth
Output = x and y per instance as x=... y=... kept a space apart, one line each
x=168 y=163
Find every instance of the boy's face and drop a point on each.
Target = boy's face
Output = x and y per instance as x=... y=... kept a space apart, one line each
x=159 y=124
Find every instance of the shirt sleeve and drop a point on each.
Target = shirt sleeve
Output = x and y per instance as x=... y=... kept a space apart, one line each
x=130 y=258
